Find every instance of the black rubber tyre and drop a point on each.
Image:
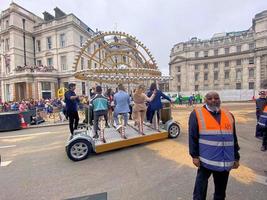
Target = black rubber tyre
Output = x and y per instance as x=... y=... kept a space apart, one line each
x=174 y=131
x=79 y=149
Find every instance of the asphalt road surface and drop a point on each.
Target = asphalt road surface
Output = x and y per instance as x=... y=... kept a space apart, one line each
x=34 y=165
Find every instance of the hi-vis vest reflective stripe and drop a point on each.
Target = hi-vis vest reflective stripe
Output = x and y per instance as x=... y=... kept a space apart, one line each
x=216 y=141
x=263 y=118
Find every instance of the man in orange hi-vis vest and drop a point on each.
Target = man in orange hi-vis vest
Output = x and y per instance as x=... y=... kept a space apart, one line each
x=261 y=102
x=262 y=123
x=213 y=146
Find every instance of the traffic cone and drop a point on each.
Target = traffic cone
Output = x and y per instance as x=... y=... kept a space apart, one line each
x=23 y=124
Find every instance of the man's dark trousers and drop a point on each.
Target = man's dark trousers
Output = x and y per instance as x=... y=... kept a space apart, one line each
x=201 y=184
x=259 y=132
x=264 y=138
x=73 y=120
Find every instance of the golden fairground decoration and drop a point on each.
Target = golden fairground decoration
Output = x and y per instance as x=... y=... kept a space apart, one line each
x=115 y=57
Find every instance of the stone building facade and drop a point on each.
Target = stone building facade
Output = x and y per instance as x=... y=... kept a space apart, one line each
x=36 y=55
x=234 y=60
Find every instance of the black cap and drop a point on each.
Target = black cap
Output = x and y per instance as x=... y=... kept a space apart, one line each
x=71 y=85
x=98 y=89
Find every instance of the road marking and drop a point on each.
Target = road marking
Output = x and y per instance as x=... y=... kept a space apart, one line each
x=9 y=146
x=261 y=179
x=5 y=163
x=28 y=135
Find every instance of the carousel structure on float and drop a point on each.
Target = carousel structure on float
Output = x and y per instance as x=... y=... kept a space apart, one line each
x=115 y=57
x=111 y=58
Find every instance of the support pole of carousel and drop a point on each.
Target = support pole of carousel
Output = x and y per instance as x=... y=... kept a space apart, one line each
x=89 y=99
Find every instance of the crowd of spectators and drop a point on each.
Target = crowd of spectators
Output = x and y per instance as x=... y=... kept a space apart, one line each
x=39 y=68
x=43 y=104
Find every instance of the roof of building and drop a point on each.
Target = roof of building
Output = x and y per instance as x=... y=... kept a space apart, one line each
x=59 y=14
x=261 y=14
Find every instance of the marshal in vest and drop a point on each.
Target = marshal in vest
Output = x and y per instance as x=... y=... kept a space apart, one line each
x=263 y=118
x=216 y=140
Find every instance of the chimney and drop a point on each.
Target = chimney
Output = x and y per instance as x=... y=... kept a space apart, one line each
x=58 y=12
x=48 y=16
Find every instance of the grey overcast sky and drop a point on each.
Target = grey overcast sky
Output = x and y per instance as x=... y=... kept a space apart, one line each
x=159 y=24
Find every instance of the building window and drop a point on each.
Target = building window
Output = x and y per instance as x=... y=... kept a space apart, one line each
x=82 y=63
x=66 y=85
x=81 y=41
x=238 y=74
x=49 y=43
x=216 y=75
x=7 y=92
x=95 y=65
x=196 y=54
x=251 y=73
x=238 y=62
x=238 y=48
x=123 y=58
x=7 y=24
x=7 y=44
x=216 y=52
x=196 y=87
x=178 y=78
x=46 y=86
x=206 y=53
x=83 y=88
x=7 y=62
x=226 y=64
x=196 y=76
x=226 y=75
x=178 y=68
x=46 y=90
x=251 y=85
x=251 y=46
x=216 y=65
x=251 y=60
x=226 y=50
x=63 y=62
x=238 y=86
x=179 y=88
x=206 y=76
x=196 y=67
x=206 y=66
x=49 y=61
x=38 y=45
x=62 y=40
x=39 y=62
